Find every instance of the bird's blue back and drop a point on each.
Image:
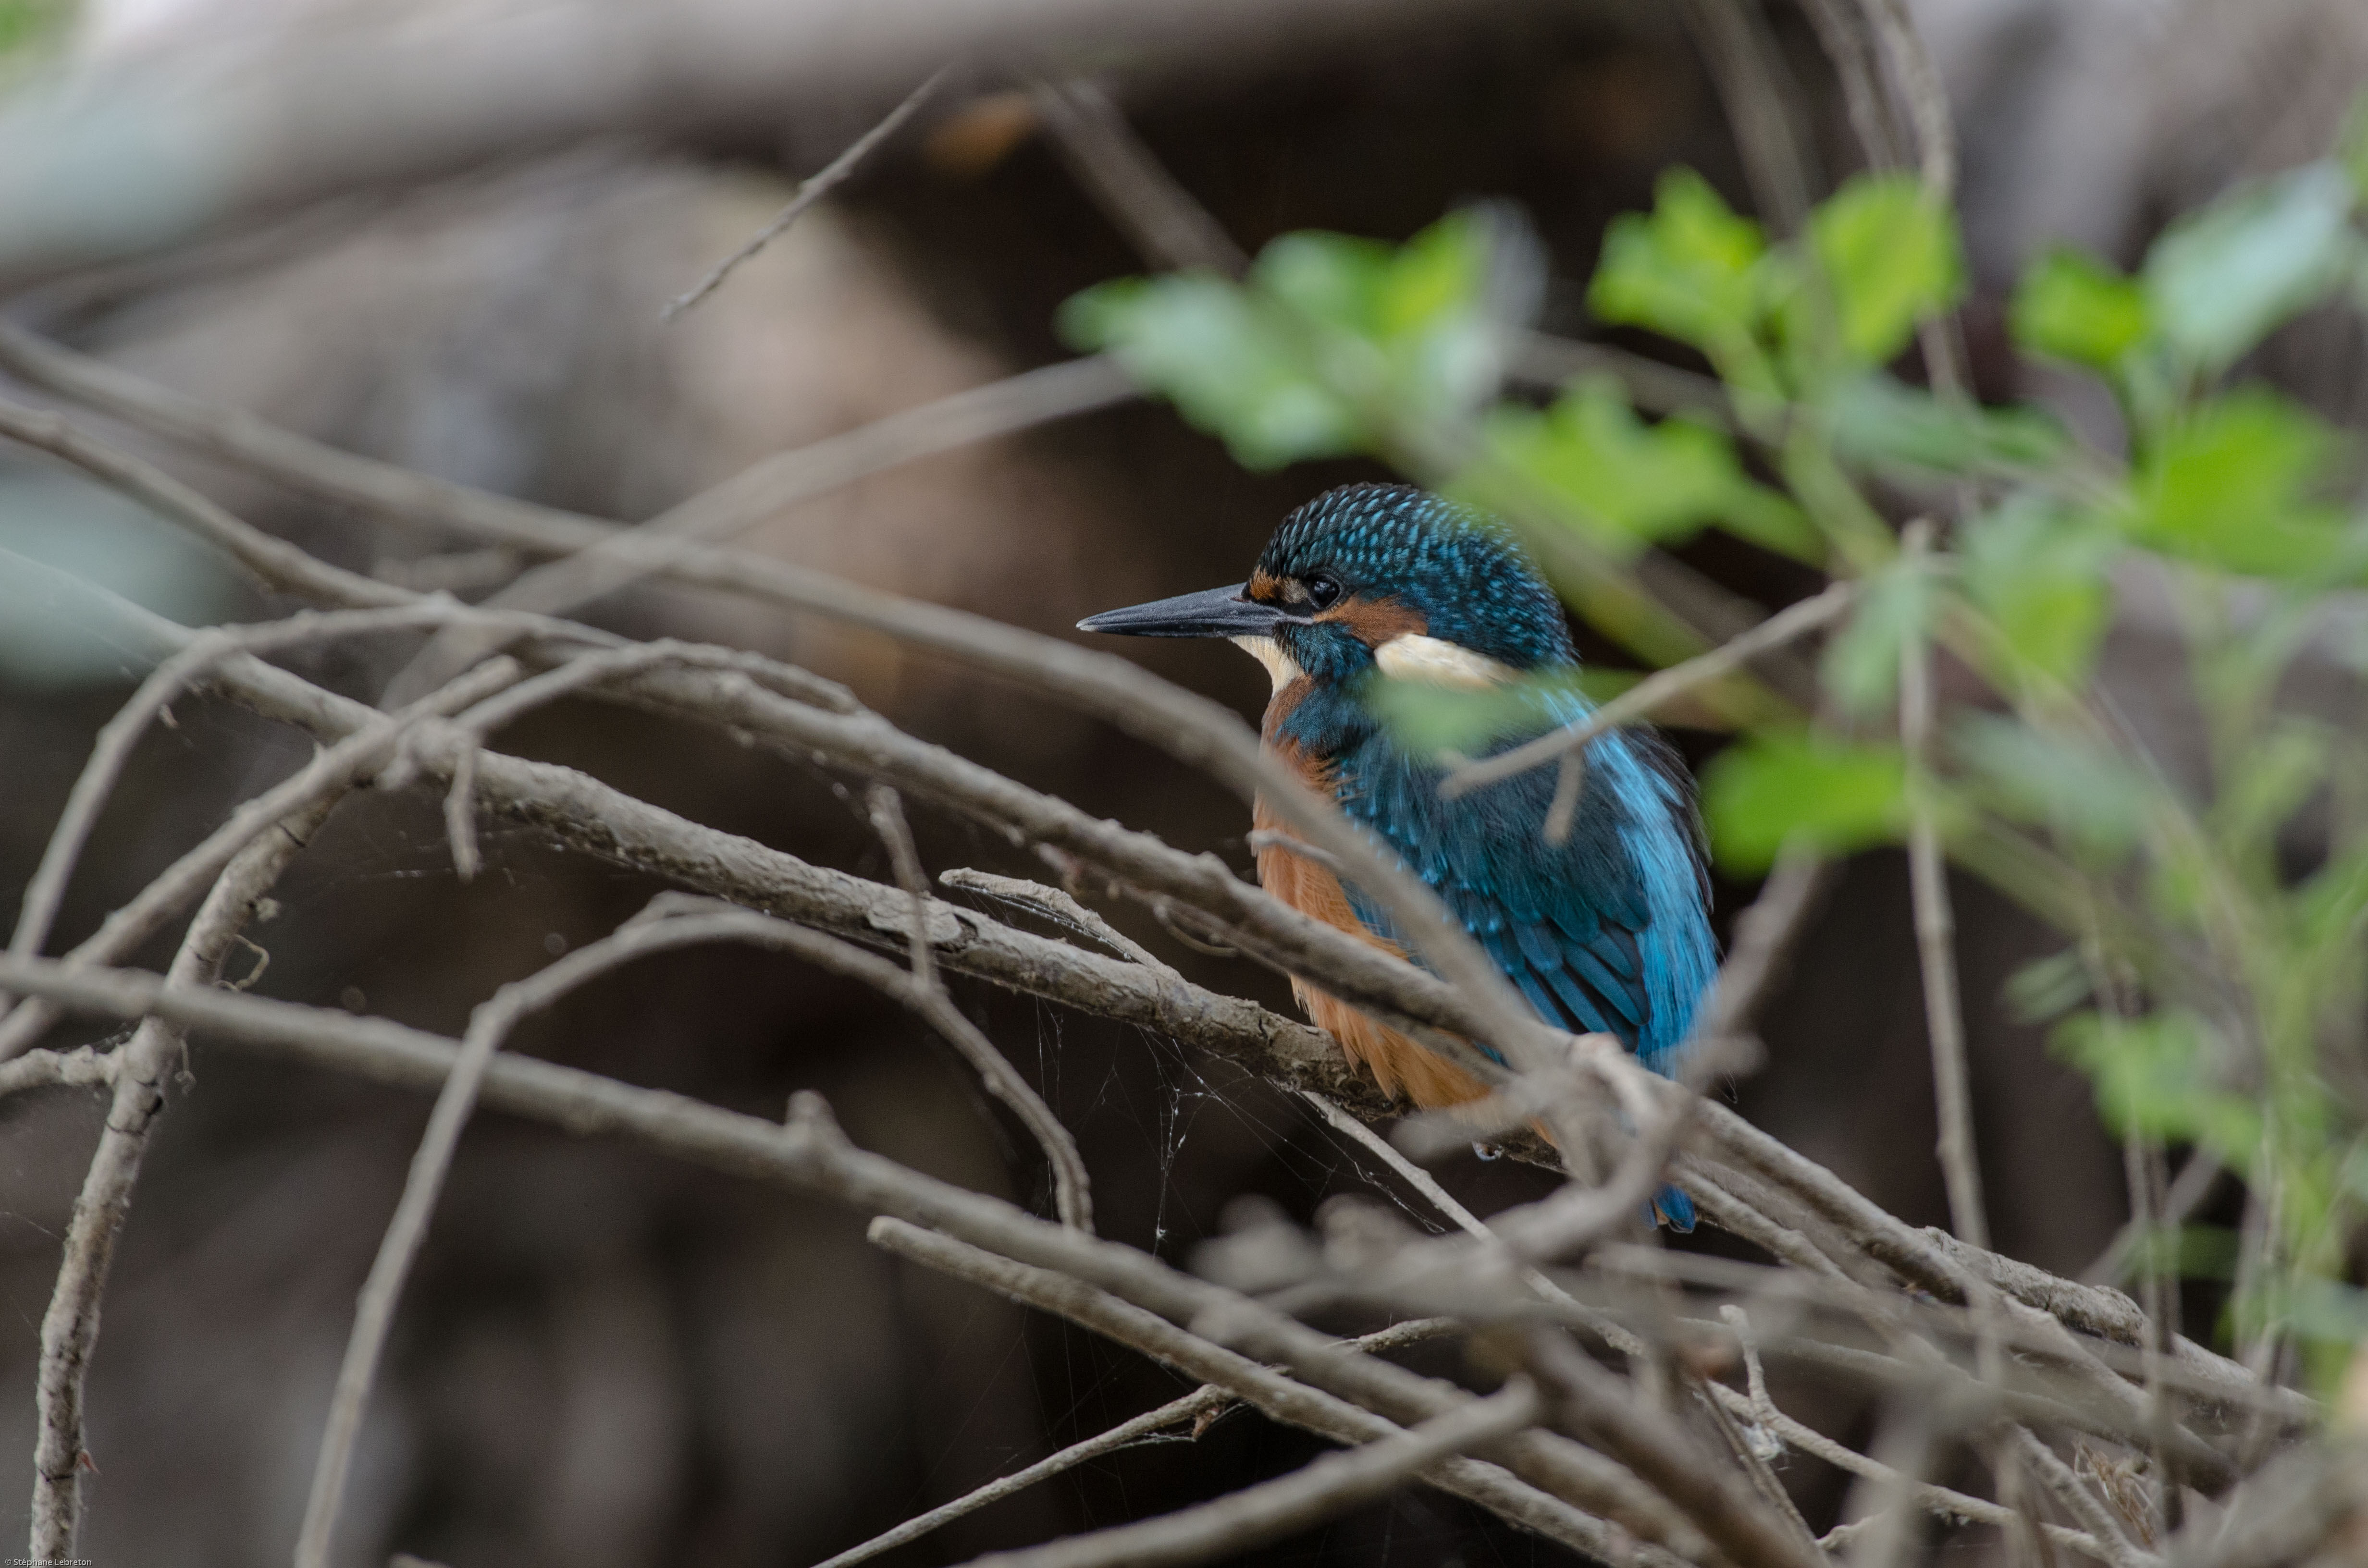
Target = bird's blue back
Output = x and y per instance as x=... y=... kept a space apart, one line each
x=1606 y=932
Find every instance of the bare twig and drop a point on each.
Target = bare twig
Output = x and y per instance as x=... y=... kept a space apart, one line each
x=82 y=1067
x=1649 y=695
x=70 y=1326
x=615 y=560
x=1593 y=1402
x=810 y=190
x=1159 y=218
x=1325 y=1489
x=2084 y=1504
x=1275 y=1395
x=1202 y=1403
x=1743 y=60
x=1072 y=1192
x=113 y=748
x=329 y=774
x=1936 y=930
x=887 y=814
x=1196 y=731
x=1936 y=1499
x=1056 y=905
x=488 y=1026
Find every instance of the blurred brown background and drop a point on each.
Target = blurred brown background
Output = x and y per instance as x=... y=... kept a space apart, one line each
x=609 y=1361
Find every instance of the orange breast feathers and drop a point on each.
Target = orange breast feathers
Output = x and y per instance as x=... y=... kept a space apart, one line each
x=1396 y=1061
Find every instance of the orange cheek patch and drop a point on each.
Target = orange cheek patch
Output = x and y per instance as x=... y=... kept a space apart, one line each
x=1376 y=622
x=1264 y=586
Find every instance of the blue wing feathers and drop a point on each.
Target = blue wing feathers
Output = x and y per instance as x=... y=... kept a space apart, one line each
x=1606 y=932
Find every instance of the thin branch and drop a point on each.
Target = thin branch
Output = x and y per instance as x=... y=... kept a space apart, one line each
x=1422 y=1181
x=1594 y=1403
x=616 y=557
x=1135 y=190
x=1765 y=937
x=80 y=1068
x=2084 y=1504
x=328 y=775
x=615 y=826
x=139 y=1071
x=809 y=191
x=1071 y=1191
x=1202 y=1403
x=1324 y=1489
x=1841 y=27
x=1056 y=905
x=1200 y=1408
x=113 y=748
x=489 y=1026
x=1936 y=934
x=1759 y=1406
x=887 y=814
x=1194 y=730
x=1657 y=690
x=1735 y=43
x=1275 y=1395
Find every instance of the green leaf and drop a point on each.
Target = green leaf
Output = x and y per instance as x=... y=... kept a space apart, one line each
x=1426 y=718
x=1630 y=484
x=1420 y=309
x=1836 y=796
x=2070 y=307
x=2088 y=794
x=2220 y=279
x=1891 y=256
x=2351 y=147
x=2231 y=486
x=2038 y=571
x=1281 y=367
x=1210 y=348
x=2159 y=1076
x=1687 y=270
x=2045 y=989
x=1885 y=423
x=1895 y=606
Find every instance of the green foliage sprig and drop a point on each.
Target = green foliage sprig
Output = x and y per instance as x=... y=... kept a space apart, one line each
x=2215 y=990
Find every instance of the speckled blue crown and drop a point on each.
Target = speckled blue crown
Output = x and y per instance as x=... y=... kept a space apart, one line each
x=1473 y=583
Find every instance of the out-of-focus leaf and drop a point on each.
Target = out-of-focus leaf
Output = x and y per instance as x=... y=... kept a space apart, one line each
x=1425 y=718
x=49 y=638
x=1886 y=424
x=1861 y=665
x=2230 y=487
x=1685 y=270
x=2045 y=989
x=1631 y=483
x=2039 y=572
x=2220 y=279
x=1289 y=364
x=2069 y=306
x=1223 y=360
x=1839 y=797
x=2283 y=767
x=2156 y=1076
x=2352 y=146
x=1891 y=256
x=1422 y=308
x=2089 y=795
x=28 y=22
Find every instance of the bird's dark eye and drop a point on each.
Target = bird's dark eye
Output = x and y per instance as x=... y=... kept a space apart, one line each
x=1322 y=590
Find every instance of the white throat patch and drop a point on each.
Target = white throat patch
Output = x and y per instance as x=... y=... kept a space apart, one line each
x=1280 y=666
x=1436 y=661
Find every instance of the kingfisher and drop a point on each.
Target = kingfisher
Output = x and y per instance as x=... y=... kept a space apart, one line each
x=1607 y=932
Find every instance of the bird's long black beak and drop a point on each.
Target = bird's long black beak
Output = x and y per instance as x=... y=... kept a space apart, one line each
x=1213 y=612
